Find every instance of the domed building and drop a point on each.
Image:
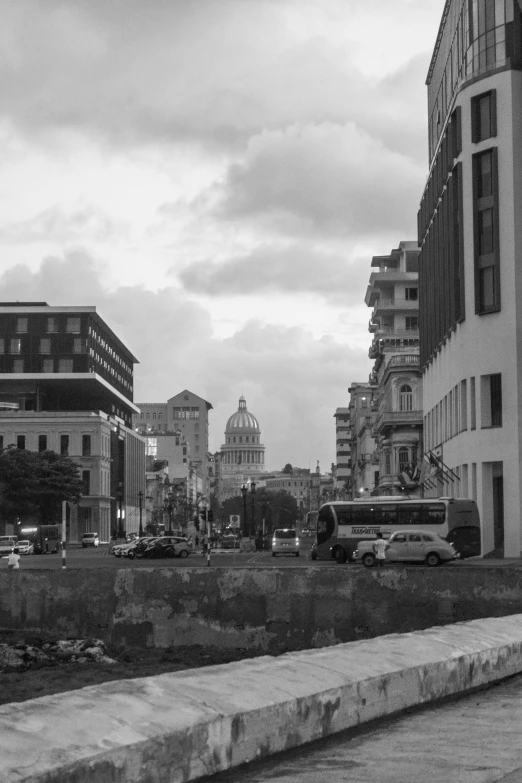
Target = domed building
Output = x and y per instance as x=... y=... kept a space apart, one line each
x=242 y=454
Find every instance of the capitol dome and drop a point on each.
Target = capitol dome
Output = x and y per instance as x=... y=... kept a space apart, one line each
x=242 y=420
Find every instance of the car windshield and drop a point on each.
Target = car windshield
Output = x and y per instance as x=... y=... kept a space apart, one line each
x=284 y=534
x=23 y=543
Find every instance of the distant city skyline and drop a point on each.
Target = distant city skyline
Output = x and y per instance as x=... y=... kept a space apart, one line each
x=215 y=178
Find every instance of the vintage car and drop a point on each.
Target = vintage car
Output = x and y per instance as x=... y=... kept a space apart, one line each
x=409 y=546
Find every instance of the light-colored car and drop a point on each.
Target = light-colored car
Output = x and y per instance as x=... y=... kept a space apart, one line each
x=123 y=549
x=168 y=546
x=7 y=544
x=90 y=539
x=410 y=546
x=25 y=547
x=285 y=541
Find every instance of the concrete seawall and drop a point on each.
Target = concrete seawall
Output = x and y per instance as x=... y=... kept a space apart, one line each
x=270 y=610
x=182 y=726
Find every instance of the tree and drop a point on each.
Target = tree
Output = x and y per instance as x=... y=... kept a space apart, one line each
x=36 y=483
x=288 y=468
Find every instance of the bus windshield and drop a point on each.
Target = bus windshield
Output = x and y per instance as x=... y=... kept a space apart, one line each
x=341 y=525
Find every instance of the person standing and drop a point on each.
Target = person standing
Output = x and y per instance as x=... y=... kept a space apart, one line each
x=380 y=547
x=13 y=560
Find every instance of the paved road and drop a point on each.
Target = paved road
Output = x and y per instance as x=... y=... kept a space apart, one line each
x=99 y=558
x=473 y=740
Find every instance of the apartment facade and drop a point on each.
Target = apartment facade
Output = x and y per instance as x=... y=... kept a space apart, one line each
x=185 y=415
x=343 y=465
x=397 y=399
x=66 y=385
x=470 y=235
x=364 y=458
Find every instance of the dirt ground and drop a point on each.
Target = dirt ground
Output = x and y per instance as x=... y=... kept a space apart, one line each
x=38 y=680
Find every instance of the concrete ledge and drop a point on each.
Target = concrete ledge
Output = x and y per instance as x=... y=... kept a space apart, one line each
x=178 y=727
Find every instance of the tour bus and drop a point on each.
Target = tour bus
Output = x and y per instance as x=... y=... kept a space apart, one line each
x=341 y=525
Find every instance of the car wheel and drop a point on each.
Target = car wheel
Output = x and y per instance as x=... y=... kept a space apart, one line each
x=131 y=555
x=432 y=559
x=339 y=554
x=368 y=560
x=184 y=553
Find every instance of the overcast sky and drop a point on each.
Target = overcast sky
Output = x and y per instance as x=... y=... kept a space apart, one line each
x=215 y=176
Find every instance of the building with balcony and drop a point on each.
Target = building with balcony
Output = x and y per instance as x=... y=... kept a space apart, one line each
x=66 y=385
x=470 y=235
x=393 y=294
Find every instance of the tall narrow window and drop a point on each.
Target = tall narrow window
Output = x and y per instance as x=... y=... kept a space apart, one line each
x=15 y=345
x=406 y=398
x=20 y=441
x=52 y=325
x=486 y=233
x=491 y=400
x=21 y=325
x=484 y=116
x=42 y=442
x=45 y=345
x=64 y=445
x=404 y=459
x=86 y=481
x=472 y=403
x=86 y=445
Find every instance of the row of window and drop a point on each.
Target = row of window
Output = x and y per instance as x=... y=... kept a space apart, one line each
x=72 y=325
x=483 y=37
x=21 y=441
x=450 y=415
x=248 y=439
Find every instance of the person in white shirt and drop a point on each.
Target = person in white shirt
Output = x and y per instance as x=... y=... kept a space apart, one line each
x=13 y=560
x=380 y=547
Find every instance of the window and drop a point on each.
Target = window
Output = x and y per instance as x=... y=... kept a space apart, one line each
x=42 y=442
x=2 y=345
x=45 y=345
x=64 y=445
x=79 y=345
x=484 y=116
x=73 y=325
x=20 y=441
x=86 y=445
x=21 y=325
x=65 y=365
x=406 y=398
x=411 y=323
x=86 y=481
x=472 y=403
x=48 y=365
x=412 y=294
x=486 y=235
x=18 y=365
x=491 y=400
x=52 y=325
x=404 y=459
x=15 y=345
x=1 y=442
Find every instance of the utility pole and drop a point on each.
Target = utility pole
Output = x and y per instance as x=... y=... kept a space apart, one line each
x=140 y=500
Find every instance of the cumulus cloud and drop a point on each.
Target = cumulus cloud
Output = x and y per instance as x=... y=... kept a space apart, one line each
x=297 y=268
x=322 y=180
x=293 y=382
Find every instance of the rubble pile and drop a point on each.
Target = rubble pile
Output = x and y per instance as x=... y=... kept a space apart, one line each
x=22 y=655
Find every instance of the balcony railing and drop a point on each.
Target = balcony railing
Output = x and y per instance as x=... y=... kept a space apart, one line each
x=396 y=418
x=406 y=359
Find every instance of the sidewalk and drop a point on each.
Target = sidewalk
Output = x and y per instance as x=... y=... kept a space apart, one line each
x=181 y=726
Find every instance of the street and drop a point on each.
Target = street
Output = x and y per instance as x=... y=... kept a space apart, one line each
x=471 y=740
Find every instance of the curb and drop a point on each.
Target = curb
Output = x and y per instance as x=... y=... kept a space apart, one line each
x=181 y=726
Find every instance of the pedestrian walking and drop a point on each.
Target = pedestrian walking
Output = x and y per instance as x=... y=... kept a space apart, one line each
x=13 y=560
x=380 y=547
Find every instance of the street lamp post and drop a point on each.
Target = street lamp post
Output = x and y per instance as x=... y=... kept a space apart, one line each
x=140 y=500
x=253 y=519
x=244 y=492
x=169 y=509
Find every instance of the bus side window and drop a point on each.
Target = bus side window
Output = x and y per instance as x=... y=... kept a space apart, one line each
x=344 y=516
x=385 y=515
x=410 y=514
x=434 y=514
x=362 y=514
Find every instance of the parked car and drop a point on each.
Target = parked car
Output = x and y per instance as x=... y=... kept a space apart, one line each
x=410 y=546
x=25 y=547
x=7 y=544
x=90 y=539
x=123 y=548
x=168 y=546
x=285 y=541
x=137 y=548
